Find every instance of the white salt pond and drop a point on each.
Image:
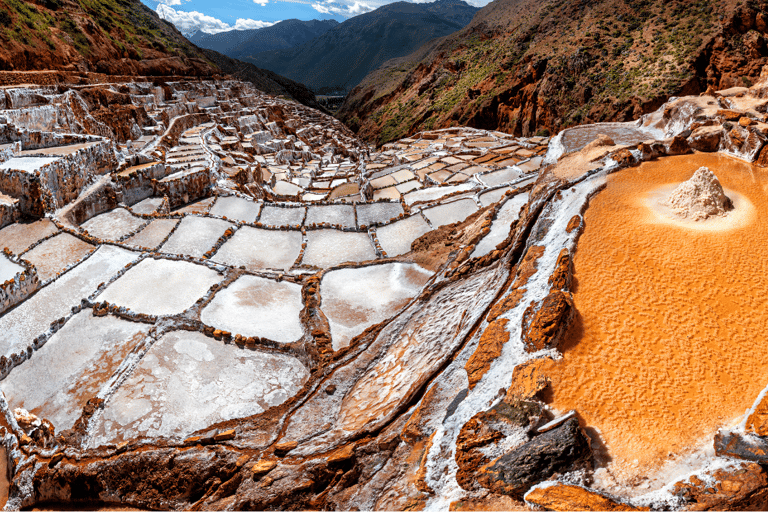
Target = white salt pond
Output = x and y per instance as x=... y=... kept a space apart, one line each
x=19 y=326
x=195 y=236
x=188 y=381
x=492 y=196
x=449 y=213
x=8 y=269
x=113 y=224
x=507 y=214
x=274 y=216
x=434 y=193
x=72 y=367
x=236 y=208
x=257 y=249
x=57 y=253
x=396 y=238
x=329 y=247
x=256 y=306
x=29 y=164
x=148 y=205
x=370 y=214
x=341 y=215
x=20 y=236
x=153 y=233
x=356 y=298
x=161 y=287
x=501 y=176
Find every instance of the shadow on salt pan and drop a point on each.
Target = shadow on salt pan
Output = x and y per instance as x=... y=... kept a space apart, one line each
x=188 y=381
x=356 y=298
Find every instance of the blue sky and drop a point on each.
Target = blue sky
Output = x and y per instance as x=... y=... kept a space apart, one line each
x=214 y=16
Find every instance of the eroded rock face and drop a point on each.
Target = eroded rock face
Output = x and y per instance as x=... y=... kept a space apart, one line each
x=700 y=197
x=559 y=450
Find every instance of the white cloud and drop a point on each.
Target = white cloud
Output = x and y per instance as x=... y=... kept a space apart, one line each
x=346 y=8
x=261 y=2
x=191 y=22
x=169 y=2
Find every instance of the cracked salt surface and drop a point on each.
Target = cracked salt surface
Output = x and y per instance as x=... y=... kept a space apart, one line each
x=256 y=306
x=61 y=376
x=356 y=298
x=161 y=287
x=188 y=381
x=22 y=324
x=257 y=249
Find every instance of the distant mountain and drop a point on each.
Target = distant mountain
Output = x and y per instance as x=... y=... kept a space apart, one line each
x=286 y=34
x=345 y=54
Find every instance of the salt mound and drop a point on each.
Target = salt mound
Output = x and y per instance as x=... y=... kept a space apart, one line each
x=700 y=197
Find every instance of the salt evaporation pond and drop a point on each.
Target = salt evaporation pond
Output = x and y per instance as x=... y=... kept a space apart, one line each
x=329 y=247
x=257 y=249
x=148 y=205
x=188 y=381
x=113 y=224
x=507 y=214
x=499 y=177
x=195 y=236
x=256 y=306
x=396 y=238
x=8 y=269
x=274 y=216
x=153 y=233
x=19 y=237
x=356 y=298
x=573 y=139
x=448 y=213
x=236 y=208
x=72 y=367
x=161 y=287
x=340 y=215
x=370 y=214
x=492 y=196
x=55 y=254
x=19 y=326
x=435 y=193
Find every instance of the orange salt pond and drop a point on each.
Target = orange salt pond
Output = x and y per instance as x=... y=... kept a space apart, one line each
x=671 y=333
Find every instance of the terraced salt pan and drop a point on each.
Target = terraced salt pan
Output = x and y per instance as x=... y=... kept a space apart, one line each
x=329 y=247
x=396 y=238
x=236 y=208
x=356 y=298
x=501 y=176
x=57 y=253
x=195 y=236
x=20 y=236
x=153 y=233
x=341 y=215
x=273 y=216
x=369 y=214
x=113 y=224
x=448 y=213
x=257 y=249
x=201 y=206
x=256 y=306
x=29 y=164
x=573 y=139
x=148 y=205
x=507 y=214
x=492 y=196
x=22 y=324
x=161 y=287
x=188 y=381
x=679 y=322
x=72 y=367
x=434 y=193
x=8 y=269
